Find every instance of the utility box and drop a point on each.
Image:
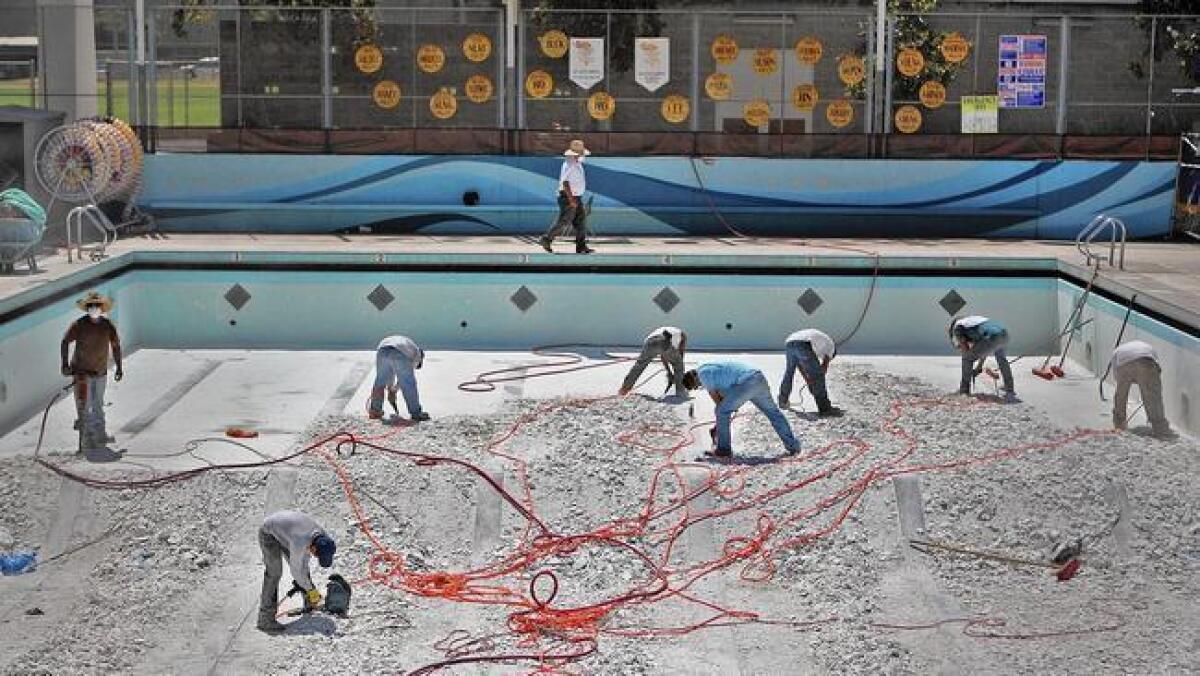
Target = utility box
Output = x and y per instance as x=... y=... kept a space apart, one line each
x=20 y=130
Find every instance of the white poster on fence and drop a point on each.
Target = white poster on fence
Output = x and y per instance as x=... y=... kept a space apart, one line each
x=652 y=62
x=587 y=61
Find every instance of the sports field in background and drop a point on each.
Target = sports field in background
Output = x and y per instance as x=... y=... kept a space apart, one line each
x=196 y=105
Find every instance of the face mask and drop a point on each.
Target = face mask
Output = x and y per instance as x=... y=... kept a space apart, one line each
x=94 y=312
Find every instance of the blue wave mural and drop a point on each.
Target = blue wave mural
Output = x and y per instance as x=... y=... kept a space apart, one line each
x=657 y=195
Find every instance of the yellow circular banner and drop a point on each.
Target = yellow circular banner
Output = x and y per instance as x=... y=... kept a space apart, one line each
x=719 y=86
x=756 y=113
x=908 y=119
x=851 y=69
x=601 y=106
x=724 y=49
x=368 y=59
x=676 y=108
x=430 y=58
x=933 y=94
x=554 y=43
x=804 y=97
x=809 y=50
x=765 y=61
x=839 y=113
x=477 y=47
x=955 y=48
x=539 y=84
x=910 y=62
x=479 y=89
x=443 y=105
x=386 y=94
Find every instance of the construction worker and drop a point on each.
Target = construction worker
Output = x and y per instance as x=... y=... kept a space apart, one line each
x=297 y=537
x=572 y=182
x=809 y=351
x=1136 y=362
x=395 y=359
x=731 y=384
x=668 y=343
x=977 y=337
x=93 y=335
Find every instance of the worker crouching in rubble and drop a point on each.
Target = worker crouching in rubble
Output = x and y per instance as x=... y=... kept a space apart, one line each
x=297 y=537
x=977 y=337
x=731 y=384
x=809 y=351
x=395 y=359
x=1135 y=362
x=668 y=343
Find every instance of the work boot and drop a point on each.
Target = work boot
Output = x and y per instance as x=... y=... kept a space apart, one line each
x=783 y=403
x=420 y=416
x=831 y=412
x=271 y=626
x=584 y=249
x=546 y=242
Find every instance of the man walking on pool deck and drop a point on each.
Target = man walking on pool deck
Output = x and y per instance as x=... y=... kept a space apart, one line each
x=395 y=359
x=976 y=337
x=1136 y=362
x=295 y=536
x=93 y=335
x=667 y=343
x=571 y=185
x=731 y=384
x=810 y=351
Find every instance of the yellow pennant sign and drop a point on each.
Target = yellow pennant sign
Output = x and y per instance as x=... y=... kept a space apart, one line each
x=724 y=49
x=676 y=108
x=756 y=113
x=955 y=48
x=386 y=94
x=809 y=50
x=933 y=94
x=910 y=62
x=908 y=119
x=430 y=58
x=804 y=97
x=477 y=47
x=851 y=69
x=601 y=106
x=765 y=61
x=839 y=113
x=554 y=43
x=479 y=89
x=368 y=59
x=443 y=105
x=719 y=86
x=539 y=84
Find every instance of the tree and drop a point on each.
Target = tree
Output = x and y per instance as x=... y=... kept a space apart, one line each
x=624 y=27
x=1174 y=35
x=366 y=29
x=912 y=30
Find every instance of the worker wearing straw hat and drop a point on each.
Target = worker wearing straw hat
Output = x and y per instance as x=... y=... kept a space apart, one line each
x=93 y=335
x=571 y=185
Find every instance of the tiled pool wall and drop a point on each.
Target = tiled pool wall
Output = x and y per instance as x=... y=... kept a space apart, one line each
x=248 y=308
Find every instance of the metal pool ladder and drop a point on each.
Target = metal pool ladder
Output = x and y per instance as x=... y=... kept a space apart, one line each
x=1115 y=227
x=95 y=218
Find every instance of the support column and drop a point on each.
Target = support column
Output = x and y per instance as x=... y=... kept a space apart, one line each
x=67 y=56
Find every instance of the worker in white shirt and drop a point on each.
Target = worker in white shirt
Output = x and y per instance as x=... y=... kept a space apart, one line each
x=571 y=185
x=395 y=359
x=297 y=537
x=809 y=351
x=1135 y=362
x=667 y=343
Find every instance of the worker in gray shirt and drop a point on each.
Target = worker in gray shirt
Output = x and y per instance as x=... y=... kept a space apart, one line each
x=667 y=343
x=395 y=359
x=295 y=536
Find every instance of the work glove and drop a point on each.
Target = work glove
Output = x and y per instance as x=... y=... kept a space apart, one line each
x=119 y=374
x=66 y=371
x=312 y=598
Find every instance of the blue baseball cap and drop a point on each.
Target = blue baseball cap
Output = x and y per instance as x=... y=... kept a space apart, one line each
x=325 y=547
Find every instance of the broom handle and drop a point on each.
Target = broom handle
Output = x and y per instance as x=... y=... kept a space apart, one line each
x=1120 y=335
x=1078 y=310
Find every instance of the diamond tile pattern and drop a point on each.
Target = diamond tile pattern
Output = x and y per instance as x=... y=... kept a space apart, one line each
x=523 y=298
x=380 y=297
x=809 y=301
x=952 y=302
x=237 y=296
x=666 y=300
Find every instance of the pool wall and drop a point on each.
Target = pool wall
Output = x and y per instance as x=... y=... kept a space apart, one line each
x=349 y=301
x=657 y=195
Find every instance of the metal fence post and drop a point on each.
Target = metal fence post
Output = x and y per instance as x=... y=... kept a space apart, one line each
x=871 y=84
x=326 y=71
x=151 y=79
x=33 y=79
x=131 y=90
x=695 y=91
x=171 y=95
x=108 y=93
x=519 y=84
x=187 y=96
x=1150 y=84
x=1064 y=68
x=889 y=48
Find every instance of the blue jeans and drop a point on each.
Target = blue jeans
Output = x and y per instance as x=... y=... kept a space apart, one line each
x=391 y=365
x=89 y=407
x=800 y=355
x=756 y=391
x=988 y=345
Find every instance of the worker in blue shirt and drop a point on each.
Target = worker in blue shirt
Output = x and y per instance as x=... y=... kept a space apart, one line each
x=731 y=384
x=977 y=337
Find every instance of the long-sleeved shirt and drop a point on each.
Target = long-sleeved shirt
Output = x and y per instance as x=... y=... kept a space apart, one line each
x=1134 y=349
x=822 y=345
x=404 y=345
x=976 y=328
x=675 y=333
x=92 y=340
x=572 y=174
x=295 y=531
x=719 y=376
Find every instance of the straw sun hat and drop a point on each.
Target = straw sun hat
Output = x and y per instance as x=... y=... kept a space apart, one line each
x=94 y=298
x=576 y=149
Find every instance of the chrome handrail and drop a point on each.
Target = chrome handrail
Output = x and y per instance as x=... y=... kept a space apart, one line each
x=1085 y=238
x=97 y=220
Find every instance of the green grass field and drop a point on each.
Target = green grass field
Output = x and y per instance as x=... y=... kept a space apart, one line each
x=197 y=105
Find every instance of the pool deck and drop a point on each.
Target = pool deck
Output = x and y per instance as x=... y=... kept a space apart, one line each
x=1164 y=274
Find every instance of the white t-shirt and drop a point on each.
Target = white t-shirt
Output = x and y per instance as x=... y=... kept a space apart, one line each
x=970 y=321
x=1134 y=349
x=404 y=344
x=675 y=333
x=572 y=173
x=821 y=343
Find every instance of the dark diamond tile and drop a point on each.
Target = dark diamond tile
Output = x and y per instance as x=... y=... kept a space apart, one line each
x=237 y=296
x=380 y=297
x=523 y=298
x=952 y=302
x=809 y=301
x=666 y=300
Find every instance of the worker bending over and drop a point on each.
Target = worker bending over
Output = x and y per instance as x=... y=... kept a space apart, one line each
x=395 y=359
x=810 y=351
x=297 y=537
x=1136 y=362
x=93 y=335
x=977 y=337
x=668 y=343
x=731 y=384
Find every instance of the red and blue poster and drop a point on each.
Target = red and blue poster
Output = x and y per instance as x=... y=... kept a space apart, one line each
x=1021 y=79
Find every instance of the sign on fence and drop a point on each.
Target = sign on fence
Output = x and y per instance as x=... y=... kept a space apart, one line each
x=1021 y=81
x=586 y=65
x=980 y=114
x=652 y=62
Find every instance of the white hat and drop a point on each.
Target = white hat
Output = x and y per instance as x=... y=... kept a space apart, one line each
x=576 y=148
